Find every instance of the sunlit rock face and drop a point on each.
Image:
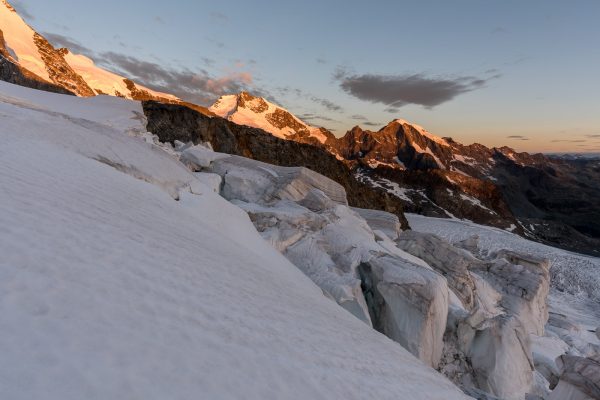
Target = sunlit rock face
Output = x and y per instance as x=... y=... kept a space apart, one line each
x=248 y=110
x=171 y=122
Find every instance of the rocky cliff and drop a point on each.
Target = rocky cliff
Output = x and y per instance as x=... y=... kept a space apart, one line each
x=173 y=122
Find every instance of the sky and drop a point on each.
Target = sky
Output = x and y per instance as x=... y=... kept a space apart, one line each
x=525 y=74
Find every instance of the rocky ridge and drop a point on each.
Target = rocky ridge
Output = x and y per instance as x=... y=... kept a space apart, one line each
x=546 y=199
x=256 y=112
x=550 y=200
x=171 y=122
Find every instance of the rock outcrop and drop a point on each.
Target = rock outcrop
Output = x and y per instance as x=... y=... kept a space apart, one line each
x=60 y=72
x=175 y=122
x=14 y=73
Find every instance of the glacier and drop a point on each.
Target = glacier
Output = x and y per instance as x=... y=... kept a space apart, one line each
x=124 y=276
x=133 y=268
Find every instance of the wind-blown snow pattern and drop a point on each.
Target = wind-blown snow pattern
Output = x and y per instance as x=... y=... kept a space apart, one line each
x=112 y=289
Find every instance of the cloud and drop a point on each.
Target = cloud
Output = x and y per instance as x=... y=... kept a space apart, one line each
x=58 y=40
x=569 y=141
x=368 y=123
x=593 y=136
x=396 y=91
x=517 y=137
x=198 y=86
x=358 y=117
x=22 y=10
x=219 y=16
x=194 y=86
x=216 y=42
x=498 y=30
x=329 y=105
x=159 y=19
x=312 y=117
x=208 y=61
x=321 y=61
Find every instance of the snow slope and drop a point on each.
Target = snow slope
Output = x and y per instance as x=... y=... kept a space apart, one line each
x=19 y=41
x=103 y=81
x=19 y=38
x=111 y=289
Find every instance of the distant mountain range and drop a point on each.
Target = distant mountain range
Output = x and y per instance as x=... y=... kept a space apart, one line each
x=547 y=198
x=575 y=156
x=552 y=199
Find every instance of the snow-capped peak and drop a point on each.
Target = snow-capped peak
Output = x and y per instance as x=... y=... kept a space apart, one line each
x=19 y=41
x=246 y=109
x=33 y=55
x=423 y=132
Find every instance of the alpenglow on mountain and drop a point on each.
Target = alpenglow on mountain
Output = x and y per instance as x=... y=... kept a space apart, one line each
x=156 y=249
x=245 y=109
x=29 y=59
x=543 y=198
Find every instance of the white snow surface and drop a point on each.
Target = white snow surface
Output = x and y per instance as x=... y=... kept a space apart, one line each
x=103 y=81
x=227 y=107
x=19 y=40
x=575 y=278
x=111 y=289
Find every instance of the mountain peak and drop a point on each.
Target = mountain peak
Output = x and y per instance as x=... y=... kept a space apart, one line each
x=246 y=109
x=421 y=131
x=34 y=61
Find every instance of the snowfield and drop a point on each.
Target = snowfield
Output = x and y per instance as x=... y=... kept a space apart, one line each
x=110 y=288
